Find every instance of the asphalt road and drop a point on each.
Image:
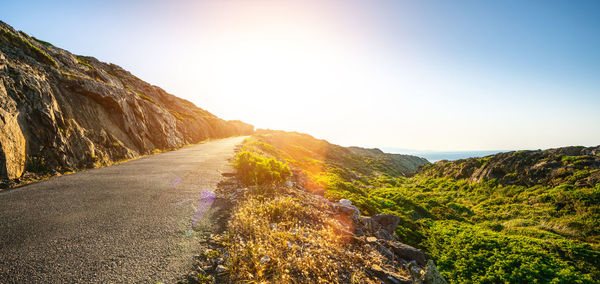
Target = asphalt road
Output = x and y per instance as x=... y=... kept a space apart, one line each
x=124 y=223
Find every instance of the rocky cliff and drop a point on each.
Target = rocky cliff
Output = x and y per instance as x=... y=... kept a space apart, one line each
x=62 y=112
x=577 y=165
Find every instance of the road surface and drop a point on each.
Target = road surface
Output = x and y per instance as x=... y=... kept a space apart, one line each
x=124 y=223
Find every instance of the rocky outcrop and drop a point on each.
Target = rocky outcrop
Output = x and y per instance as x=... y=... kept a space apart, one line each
x=378 y=232
x=576 y=165
x=62 y=112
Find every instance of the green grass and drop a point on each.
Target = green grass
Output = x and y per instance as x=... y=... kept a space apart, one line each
x=145 y=97
x=42 y=42
x=84 y=61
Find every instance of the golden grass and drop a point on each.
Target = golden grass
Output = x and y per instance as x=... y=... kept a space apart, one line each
x=294 y=237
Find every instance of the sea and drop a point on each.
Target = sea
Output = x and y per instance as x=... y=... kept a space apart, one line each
x=434 y=156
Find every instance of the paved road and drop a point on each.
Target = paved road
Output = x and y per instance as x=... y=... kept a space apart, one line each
x=125 y=223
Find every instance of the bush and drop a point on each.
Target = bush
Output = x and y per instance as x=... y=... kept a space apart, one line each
x=467 y=253
x=258 y=170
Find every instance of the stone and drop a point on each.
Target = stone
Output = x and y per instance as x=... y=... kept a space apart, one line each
x=432 y=275
x=220 y=269
x=408 y=253
x=265 y=259
x=345 y=202
x=388 y=222
x=345 y=207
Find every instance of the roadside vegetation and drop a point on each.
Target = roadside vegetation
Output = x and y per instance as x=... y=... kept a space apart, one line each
x=279 y=234
x=475 y=231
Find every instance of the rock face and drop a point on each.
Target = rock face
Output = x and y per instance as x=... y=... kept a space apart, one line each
x=577 y=165
x=60 y=112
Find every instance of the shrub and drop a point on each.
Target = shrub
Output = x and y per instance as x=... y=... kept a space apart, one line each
x=258 y=170
x=468 y=253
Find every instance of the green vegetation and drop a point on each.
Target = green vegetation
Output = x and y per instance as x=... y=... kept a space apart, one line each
x=181 y=116
x=254 y=169
x=25 y=44
x=475 y=231
x=84 y=61
x=145 y=97
x=468 y=253
x=42 y=42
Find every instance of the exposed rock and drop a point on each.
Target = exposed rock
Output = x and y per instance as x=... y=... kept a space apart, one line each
x=345 y=207
x=12 y=145
x=220 y=269
x=381 y=226
x=387 y=222
x=407 y=252
x=265 y=259
x=62 y=112
x=432 y=275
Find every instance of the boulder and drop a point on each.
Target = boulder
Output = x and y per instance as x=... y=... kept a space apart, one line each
x=432 y=275
x=387 y=222
x=345 y=207
x=408 y=253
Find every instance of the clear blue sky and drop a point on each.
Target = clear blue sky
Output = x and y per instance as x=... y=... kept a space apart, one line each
x=438 y=75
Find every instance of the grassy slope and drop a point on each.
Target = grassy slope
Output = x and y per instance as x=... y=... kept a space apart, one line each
x=476 y=231
x=279 y=233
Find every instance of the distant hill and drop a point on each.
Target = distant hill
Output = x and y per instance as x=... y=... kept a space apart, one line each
x=578 y=165
x=62 y=112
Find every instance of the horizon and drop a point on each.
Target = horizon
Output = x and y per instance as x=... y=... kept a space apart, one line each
x=467 y=76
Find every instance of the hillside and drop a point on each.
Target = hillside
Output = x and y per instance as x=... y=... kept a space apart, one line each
x=319 y=162
x=275 y=227
x=526 y=216
x=575 y=165
x=62 y=112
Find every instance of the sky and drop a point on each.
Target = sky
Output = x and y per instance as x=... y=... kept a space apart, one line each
x=423 y=75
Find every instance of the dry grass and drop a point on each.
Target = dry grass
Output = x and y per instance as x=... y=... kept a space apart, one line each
x=294 y=237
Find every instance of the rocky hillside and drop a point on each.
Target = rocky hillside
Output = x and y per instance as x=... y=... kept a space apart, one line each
x=576 y=165
x=61 y=112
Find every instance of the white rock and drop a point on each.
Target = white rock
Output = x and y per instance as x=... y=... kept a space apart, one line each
x=220 y=269
x=265 y=259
